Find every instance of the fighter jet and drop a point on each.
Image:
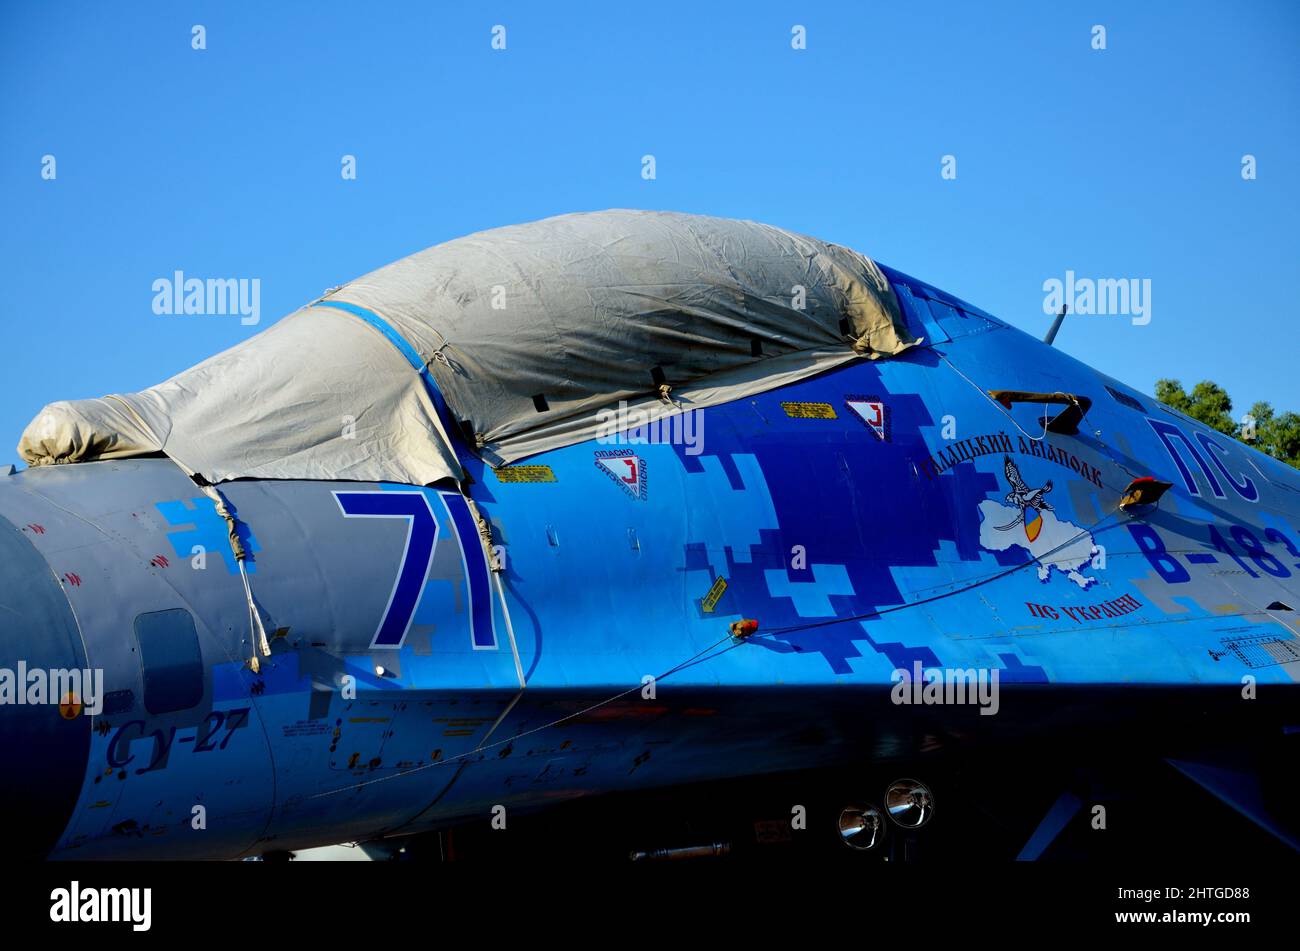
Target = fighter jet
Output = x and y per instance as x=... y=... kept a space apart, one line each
x=617 y=502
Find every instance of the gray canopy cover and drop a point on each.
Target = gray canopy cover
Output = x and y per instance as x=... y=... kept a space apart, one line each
x=528 y=332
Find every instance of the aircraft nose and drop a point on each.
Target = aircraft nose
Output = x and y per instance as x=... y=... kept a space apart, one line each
x=42 y=752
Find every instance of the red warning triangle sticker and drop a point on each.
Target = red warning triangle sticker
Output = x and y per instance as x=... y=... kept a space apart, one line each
x=627 y=469
x=872 y=412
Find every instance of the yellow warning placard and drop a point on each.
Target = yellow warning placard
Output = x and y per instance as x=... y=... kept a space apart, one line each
x=715 y=594
x=809 y=410
x=525 y=474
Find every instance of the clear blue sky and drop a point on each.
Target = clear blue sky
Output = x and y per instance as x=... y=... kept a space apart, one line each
x=226 y=162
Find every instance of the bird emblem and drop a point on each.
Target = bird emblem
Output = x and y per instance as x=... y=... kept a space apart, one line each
x=1029 y=501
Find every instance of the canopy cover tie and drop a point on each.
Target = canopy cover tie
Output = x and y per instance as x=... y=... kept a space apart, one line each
x=256 y=627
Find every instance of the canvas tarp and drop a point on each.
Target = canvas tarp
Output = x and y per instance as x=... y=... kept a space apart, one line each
x=528 y=332
x=318 y=395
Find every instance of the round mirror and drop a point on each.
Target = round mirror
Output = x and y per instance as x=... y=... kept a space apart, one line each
x=909 y=803
x=861 y=827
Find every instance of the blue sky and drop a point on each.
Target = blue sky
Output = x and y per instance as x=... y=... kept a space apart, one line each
x=225 y=162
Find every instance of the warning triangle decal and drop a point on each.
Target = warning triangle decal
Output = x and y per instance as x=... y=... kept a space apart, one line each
x=626 y=469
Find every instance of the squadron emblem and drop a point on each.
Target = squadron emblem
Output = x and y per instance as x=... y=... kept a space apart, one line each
x=1029 y=502
x=1054 y=543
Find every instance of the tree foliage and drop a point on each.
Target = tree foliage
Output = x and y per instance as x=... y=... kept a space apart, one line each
x=1277 y=434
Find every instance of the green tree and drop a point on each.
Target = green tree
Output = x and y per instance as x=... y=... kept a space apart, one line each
x=1277 y=434
x=1208 y=403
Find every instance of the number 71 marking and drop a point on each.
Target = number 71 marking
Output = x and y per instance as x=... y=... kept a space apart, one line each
x=421 y=535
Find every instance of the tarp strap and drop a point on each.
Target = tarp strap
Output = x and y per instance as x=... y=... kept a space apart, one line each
x=484 y=531
x=405 y=348
x=256 y=628
x=497 y=569
x=510 y=632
